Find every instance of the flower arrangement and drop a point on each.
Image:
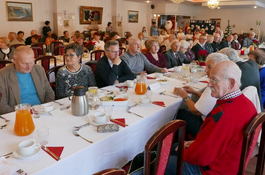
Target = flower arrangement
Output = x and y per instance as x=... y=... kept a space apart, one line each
x=202 y=55
x=256 y=42
x=90 y=45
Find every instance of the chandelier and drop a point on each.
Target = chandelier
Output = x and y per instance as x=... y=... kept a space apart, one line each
x=177 y=1
x=212 y=4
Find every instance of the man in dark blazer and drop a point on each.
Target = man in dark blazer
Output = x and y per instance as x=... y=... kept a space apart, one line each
x=110 y=68
x=201 y=46
x=227 y=42
x=215 y=45
x=174 y=56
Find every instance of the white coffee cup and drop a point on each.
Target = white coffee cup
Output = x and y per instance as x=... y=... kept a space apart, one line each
x=145 y=100
x=27 y=147
x=48 y=107
x=159 y=75
x=129 y=83
x=100 y=117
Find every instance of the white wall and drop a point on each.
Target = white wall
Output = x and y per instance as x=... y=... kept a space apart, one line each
x=42 y=11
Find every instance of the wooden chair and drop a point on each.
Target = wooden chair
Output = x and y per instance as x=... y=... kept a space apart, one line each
x=41 y=45
x=17 y=45
x=162 y=49
x=92 y=65
x=53 y=72
x=122 y=50
x=111 y=171
x=163 y=138
x=249 y=141
x=59 y=50
x=96 y=54
x=3 y=63
x=37 y=51
x=53 y=45
x=45 y=61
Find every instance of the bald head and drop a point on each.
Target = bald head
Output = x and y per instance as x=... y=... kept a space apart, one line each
x=33 y=32
x=224 y=78
x=134 y=46
x=23 y=59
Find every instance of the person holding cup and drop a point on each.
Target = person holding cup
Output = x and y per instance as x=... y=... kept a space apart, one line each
x=110 y=68
x=73 y=73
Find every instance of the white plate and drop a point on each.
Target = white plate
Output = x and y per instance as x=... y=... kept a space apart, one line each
x=92 y=122
x=115 y=103
x=19 y=156
x=42 y=110
x=141 y=104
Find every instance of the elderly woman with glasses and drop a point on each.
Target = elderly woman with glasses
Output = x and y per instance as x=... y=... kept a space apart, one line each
x=73 y=73
x=153 y=56
x=6 y=53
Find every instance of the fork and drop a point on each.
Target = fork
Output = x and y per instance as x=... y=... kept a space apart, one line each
x=3 y=126
x=76 y=128
x=163 y=93
x=61 y=104
x=4 y=119
x=128 y=110
x=77 y=135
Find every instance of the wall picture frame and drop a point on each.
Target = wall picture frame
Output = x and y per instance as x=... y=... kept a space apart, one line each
x=66 y=23
x=19 y=11
x=90 y=14
x=133 y=16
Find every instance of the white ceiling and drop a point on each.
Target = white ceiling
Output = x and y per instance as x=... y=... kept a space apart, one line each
x=222 y=3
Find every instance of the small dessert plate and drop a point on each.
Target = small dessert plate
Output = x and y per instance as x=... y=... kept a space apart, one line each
x=17 y=154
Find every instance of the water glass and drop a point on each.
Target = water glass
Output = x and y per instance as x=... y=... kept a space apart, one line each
x=108 y=110
x=36 y=109
x=43 y=134
x=149 y=94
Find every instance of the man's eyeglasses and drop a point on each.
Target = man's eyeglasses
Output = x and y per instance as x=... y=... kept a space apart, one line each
x=214 y=81
x=71 y=55
x=113 y=52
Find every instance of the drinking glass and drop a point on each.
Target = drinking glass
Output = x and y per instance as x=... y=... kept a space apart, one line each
x=43 y=134
x=108 y=110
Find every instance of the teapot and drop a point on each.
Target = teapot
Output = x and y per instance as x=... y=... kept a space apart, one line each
x=140 y=87
x=79 y=103
x=24 y=124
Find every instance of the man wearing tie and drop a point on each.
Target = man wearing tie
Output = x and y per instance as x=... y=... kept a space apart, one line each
x=201 y=46
x=174 y=56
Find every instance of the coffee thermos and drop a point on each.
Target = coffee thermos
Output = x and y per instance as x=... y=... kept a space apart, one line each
x=79 y=103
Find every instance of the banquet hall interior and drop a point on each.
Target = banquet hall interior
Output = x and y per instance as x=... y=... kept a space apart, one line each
x=128 y=18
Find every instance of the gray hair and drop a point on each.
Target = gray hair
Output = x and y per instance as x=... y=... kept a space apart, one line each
x=216 y=58
x=217 y=34
x=232 y=71
x=231 y=53
x=184 y=44
x=174 y=41
x=132 y=40
x=110 y=43
x=77 y=49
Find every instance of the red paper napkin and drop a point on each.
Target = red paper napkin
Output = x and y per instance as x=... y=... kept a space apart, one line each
x=159 y=103
x=150 y=77
x=121 y=121
x=56 y=150
x=204 y=82
x=170 y=71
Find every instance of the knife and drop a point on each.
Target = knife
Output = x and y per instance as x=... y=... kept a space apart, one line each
x=118 y=122
x=54 y=155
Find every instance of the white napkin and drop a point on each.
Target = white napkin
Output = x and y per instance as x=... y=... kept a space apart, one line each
x=6 y=169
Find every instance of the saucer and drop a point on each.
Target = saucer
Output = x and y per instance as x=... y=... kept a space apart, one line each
x=141 y=104
x=92 y=122
x=19 y=156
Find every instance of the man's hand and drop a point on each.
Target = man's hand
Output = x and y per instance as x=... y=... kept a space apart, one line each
x=164 y=70
x=186 y=144
x=116 y=81
x=189 y=89
x=143 y=73
x=117 y=61
x=180 y=92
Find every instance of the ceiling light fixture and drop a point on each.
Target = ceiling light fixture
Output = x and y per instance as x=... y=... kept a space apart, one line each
x=212 y=4
x=177 y=1
x=255 y=7
x=147 y=1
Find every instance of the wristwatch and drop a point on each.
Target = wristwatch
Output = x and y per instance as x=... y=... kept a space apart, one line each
x=186 y=98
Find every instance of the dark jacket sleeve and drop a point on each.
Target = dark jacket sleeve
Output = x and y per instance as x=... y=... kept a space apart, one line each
x=125 y=72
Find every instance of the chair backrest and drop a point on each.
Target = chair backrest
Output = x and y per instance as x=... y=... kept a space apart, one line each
x=3 y=63
x=17 y=45
x=52 y=70
x=45 y=61
x=97 y=54
x=55 y=44
x=59 y=50
x=111 y=171
x=162 y=49
x=249 y=141
x=163 y=138
x=92 y=65
x=122 y=50
x=37 y=51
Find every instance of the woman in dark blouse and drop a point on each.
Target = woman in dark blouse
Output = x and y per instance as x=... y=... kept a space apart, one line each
x=153 y=56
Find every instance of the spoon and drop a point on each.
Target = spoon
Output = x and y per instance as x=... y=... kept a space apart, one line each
x=76 y=128
x=4 y=119
x=61 y=104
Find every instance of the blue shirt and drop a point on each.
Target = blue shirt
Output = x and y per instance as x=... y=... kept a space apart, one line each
x=28 y=92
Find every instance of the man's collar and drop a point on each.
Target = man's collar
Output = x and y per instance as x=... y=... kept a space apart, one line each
x=231 y=95
x=201 y=45
x=129 y=53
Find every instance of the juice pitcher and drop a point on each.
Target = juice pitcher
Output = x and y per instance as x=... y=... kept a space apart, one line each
x=23 y=124
x=140 y=87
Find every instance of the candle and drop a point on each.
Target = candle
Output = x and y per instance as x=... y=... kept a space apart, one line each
x=242 y=52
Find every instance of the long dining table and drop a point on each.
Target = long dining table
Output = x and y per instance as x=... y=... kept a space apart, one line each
x=108 y=150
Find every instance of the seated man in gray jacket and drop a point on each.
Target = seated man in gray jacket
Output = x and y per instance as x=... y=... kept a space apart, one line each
x=23 y=82
x=136 y=61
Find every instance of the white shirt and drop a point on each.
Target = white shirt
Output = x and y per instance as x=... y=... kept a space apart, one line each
x=205 y=103
x=6 y=51
x=100 y=44
x=181 y=36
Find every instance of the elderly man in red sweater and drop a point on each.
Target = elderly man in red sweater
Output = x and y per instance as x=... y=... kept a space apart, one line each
x=217 y=148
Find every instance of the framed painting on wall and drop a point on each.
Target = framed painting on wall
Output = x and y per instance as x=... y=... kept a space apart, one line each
x=91 y=14
x=19 y=11
x=217 y=20
x=66 y=23
x=133 y=16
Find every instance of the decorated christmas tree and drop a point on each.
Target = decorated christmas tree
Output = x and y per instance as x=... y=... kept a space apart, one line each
x=228 y=30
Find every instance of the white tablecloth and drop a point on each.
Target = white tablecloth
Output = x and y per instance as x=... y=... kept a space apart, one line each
x=109 y=150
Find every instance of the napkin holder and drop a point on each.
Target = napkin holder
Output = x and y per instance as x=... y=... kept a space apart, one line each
x=108 y=128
